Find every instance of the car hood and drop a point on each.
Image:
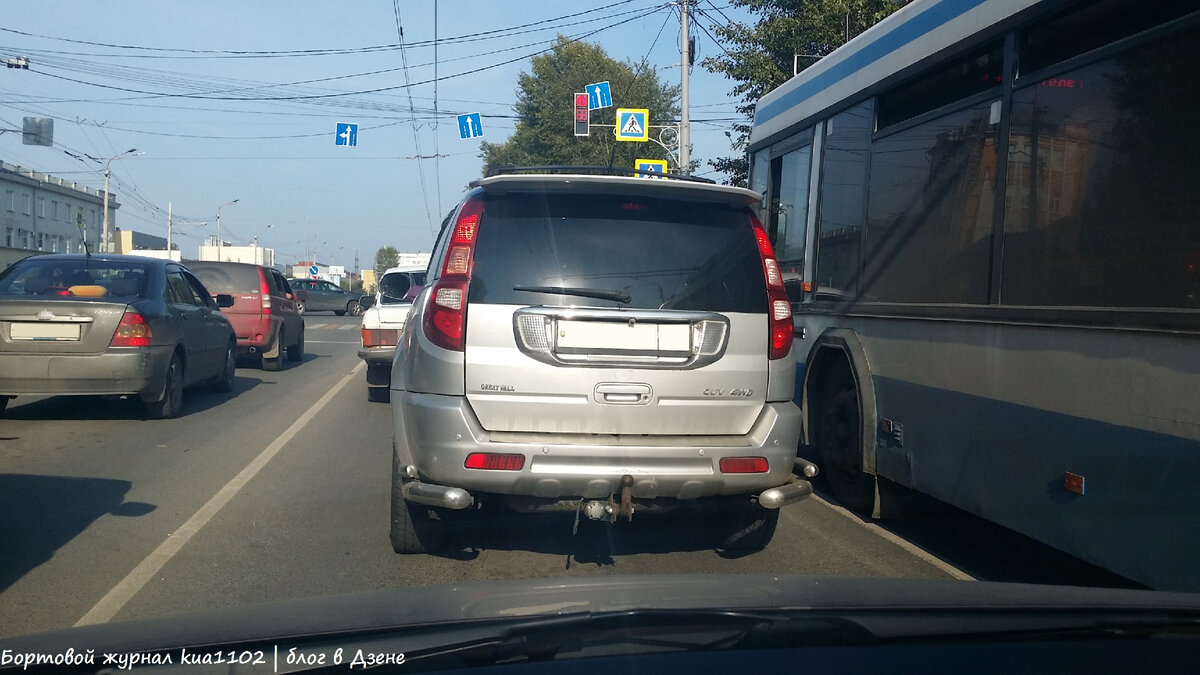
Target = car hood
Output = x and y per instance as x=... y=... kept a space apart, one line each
x=376 y=612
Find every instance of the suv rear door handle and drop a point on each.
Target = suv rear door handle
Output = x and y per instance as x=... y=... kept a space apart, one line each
x=623 y=393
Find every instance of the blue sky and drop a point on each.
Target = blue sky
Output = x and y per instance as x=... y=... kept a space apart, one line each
x=101 y=70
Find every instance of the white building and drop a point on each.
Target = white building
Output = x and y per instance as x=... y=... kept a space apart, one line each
x=40 y=212
x=257 y=255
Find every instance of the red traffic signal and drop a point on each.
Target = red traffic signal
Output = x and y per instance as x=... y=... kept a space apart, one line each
x=581 y=114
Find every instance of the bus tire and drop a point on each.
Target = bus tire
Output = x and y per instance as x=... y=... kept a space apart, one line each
x=839 y=443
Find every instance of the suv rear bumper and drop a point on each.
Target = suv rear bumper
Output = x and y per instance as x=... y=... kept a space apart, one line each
x=435 y=433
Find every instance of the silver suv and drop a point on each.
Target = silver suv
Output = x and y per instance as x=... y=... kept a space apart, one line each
x=598 y=344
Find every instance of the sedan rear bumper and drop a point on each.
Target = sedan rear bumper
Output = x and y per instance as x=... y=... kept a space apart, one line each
x=435 y=434
x=131 y=370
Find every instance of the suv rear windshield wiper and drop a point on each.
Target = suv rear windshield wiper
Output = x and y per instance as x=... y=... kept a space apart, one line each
x=601 y=293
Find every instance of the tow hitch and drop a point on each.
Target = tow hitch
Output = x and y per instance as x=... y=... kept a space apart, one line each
x=595 y=509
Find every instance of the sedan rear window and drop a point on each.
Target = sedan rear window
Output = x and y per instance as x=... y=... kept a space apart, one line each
x=614 y=251
x=74 y=279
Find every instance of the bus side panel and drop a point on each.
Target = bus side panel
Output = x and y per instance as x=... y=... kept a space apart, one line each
x=995 y=422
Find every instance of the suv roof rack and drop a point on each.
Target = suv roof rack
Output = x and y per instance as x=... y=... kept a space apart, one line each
x=592 y=170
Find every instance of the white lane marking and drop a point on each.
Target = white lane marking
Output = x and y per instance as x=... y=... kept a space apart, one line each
x=349 y=326
x=899 y=541
x=123 y=592
x=315 y=325
x=332 y=342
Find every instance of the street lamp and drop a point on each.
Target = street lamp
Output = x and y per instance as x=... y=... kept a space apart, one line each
x=219 y=225
x=132 y=152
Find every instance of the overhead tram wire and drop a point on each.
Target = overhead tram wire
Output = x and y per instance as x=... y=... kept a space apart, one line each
x=176 y=52
x=335 y=95
x=413 y=116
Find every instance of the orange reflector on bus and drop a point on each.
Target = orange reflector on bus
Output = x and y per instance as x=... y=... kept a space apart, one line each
x=1075 y=483
x=806 y=286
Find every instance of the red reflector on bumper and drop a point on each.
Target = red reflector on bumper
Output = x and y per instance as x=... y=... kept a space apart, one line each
x=495 y=461
x=743 y=465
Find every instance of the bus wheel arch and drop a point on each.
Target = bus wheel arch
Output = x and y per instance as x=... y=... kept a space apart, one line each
x=841 y=419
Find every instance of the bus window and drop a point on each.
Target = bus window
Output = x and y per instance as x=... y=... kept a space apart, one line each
x=1109 y=218
x=843 y=193
x=931 y=209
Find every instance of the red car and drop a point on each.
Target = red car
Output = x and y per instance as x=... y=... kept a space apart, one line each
x=264 y=314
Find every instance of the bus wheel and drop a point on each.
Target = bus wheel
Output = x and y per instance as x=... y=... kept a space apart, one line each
x=839 y=443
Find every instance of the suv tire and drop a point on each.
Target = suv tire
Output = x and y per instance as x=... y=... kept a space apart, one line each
x=414 y=529
x=296 y=351
x=275 y=364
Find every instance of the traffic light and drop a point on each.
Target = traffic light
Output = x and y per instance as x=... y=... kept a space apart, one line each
x=581 y=114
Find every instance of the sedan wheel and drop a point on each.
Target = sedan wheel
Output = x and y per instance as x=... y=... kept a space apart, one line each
x=172 y=399
x=224 y=381
x=354 y=308
x=300 y=307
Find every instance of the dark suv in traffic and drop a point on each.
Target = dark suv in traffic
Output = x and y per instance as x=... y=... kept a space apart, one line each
x=602 y=345
x=264 y=314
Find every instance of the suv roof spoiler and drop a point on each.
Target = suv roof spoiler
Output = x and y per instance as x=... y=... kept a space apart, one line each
x=590 y=170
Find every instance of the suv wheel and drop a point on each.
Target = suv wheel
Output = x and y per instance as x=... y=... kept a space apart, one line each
x=172 y=399
x=296 y=351
x=746 y=527
x=275 y=364
x=414 y=527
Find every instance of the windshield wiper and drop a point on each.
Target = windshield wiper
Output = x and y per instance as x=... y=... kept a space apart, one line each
x=601 y=293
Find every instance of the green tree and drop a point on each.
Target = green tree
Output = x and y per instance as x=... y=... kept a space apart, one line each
x=759 y=58
x=385 y=258
x=545 y=110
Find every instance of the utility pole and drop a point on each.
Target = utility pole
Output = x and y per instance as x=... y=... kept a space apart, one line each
x=685 y=62
x=168 y=230
x=105 y=243
x=219 y=225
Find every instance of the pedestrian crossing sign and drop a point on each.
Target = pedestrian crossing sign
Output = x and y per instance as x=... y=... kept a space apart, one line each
x=650 y=165
x=633 y=124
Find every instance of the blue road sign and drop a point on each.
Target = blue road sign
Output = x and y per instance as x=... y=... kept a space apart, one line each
x=347 y=135
x=633 y=124
x=469 y=126
x=599 y=96
x=312 y=269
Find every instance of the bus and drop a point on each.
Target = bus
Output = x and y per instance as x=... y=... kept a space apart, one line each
x=988 y=212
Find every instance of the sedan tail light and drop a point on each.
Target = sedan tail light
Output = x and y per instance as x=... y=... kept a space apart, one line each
x=380 y=337
x=132 y=331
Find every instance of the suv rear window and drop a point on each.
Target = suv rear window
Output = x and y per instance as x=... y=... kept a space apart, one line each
x=230 y=278
x=656 y=253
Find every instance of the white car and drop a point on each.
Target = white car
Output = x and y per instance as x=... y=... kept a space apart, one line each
x=382 y=321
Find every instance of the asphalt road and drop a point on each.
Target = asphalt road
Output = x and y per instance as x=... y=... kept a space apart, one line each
x=280 y=490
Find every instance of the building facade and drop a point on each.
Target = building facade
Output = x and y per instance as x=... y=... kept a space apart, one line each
x=40 y=212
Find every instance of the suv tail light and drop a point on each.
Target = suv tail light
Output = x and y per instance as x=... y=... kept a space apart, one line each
x=446 y=309
x=132 y=331
x=264 y=290
x=780 y=311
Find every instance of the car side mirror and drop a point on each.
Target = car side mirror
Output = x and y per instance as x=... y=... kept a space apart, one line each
x=224 y=300
x=366 y=301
